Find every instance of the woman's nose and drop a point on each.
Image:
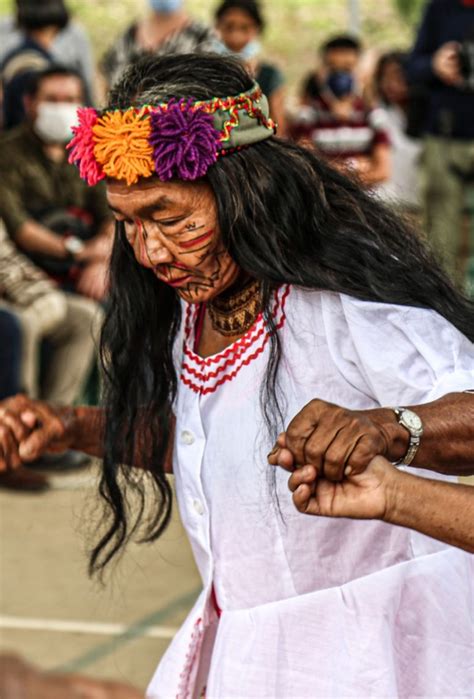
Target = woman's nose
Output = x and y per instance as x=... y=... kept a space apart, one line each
x=151 y=254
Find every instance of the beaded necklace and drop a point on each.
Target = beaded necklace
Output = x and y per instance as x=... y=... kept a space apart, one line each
x=235 y=313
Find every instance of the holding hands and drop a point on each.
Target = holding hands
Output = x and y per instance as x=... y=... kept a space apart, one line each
x=338 y=441
x=29 y=428
x=340 y=467
x=335 y=456
x=366 y=495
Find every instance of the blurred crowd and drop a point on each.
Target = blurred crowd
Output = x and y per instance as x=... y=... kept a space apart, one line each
x=400 y=122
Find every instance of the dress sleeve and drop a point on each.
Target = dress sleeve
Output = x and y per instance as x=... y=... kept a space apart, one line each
x=398 y=355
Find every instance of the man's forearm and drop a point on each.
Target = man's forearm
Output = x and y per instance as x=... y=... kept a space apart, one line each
x=447 y=444
x=34 y=237
x=444 y=511
x=86 y=426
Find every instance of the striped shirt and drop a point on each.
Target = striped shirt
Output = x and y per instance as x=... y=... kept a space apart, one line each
x=341 y=138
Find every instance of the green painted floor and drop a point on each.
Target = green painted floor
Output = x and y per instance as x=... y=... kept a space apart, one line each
x=56 y=617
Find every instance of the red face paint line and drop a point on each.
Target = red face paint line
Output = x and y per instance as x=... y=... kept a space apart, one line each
x=141 y=238
x=197 y=241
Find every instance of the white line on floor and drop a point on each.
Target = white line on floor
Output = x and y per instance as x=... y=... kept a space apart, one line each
x=86 y=627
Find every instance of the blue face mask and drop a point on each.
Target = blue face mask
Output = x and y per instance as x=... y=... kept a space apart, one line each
x=166 y=7
x=340 y=82
x=249 y=51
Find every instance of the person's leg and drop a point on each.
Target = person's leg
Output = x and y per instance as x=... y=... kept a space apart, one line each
x=74 y=348
x=10 y=354
x=442 y=193
x=11 y=359
x=37 y=320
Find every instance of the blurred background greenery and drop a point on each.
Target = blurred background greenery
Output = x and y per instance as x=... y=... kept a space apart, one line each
x=295 y=27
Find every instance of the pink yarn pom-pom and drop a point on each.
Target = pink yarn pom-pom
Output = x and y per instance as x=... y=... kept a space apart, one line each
x=82 y=147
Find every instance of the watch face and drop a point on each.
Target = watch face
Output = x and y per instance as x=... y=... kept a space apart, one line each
x=412 y=422
x=74 y=245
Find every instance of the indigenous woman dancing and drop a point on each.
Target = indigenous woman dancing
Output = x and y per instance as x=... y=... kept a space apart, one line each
x=255 y=289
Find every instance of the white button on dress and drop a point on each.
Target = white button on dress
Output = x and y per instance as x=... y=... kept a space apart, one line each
x=187 y=437
x=198 y=507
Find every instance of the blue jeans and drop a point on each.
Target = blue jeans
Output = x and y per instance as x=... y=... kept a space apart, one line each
x=10 y=354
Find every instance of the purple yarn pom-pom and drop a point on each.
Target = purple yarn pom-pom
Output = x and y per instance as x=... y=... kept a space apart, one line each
x=184 y=141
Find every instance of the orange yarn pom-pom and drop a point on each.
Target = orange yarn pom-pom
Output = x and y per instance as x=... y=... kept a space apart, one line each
x=122 y=147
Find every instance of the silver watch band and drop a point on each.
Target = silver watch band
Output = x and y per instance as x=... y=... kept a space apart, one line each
x=412 y=423
x=411 y=452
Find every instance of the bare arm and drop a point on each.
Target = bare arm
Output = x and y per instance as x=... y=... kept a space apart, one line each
x=447 y=445
x=28 y=428
x=377 y=167
x=34 y=237
x=444 y=511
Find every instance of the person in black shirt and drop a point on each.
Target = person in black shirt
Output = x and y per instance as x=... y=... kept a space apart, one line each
x=40 y=22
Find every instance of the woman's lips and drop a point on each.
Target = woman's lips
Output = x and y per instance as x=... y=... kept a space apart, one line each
x=179 y=281
x=164 y=274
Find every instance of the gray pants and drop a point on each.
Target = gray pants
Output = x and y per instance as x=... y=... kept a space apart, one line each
x=444 y=198
x=71 y=324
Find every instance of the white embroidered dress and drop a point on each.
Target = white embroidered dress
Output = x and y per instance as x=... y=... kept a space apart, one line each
x=313 y=607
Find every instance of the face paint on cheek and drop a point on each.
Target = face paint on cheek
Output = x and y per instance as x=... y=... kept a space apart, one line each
x=197 y=241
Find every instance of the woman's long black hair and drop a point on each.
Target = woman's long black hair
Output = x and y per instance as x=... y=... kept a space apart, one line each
x=285 y=216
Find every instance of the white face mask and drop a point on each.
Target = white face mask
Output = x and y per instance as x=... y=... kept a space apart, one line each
x=248 y=52
x=54 y=121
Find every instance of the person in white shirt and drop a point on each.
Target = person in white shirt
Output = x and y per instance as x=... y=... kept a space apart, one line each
x=252 y=283
x=402 y=188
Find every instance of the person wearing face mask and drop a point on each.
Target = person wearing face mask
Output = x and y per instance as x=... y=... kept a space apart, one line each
x=336 y=119
x=63 y=226
x=239 y=24
x=167 y=28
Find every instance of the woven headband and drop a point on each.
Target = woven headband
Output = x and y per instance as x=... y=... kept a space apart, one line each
x=179 y=139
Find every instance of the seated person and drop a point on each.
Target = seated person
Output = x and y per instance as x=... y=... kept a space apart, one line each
x=239 y=24
x=336 y=119
x=50 y=213
x=33 y=310
x=40 y=24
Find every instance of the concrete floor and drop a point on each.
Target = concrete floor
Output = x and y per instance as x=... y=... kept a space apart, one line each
x=56 y=617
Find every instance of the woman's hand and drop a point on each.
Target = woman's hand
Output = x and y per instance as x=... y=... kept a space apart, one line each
x=337 y=441
x=29 y=428
x=366 y=495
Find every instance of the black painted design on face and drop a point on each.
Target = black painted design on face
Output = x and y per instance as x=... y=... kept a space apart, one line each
x=173 y=230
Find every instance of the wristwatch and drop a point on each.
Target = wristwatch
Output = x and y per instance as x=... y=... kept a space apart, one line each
x=411 y=422
x=73 y=245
